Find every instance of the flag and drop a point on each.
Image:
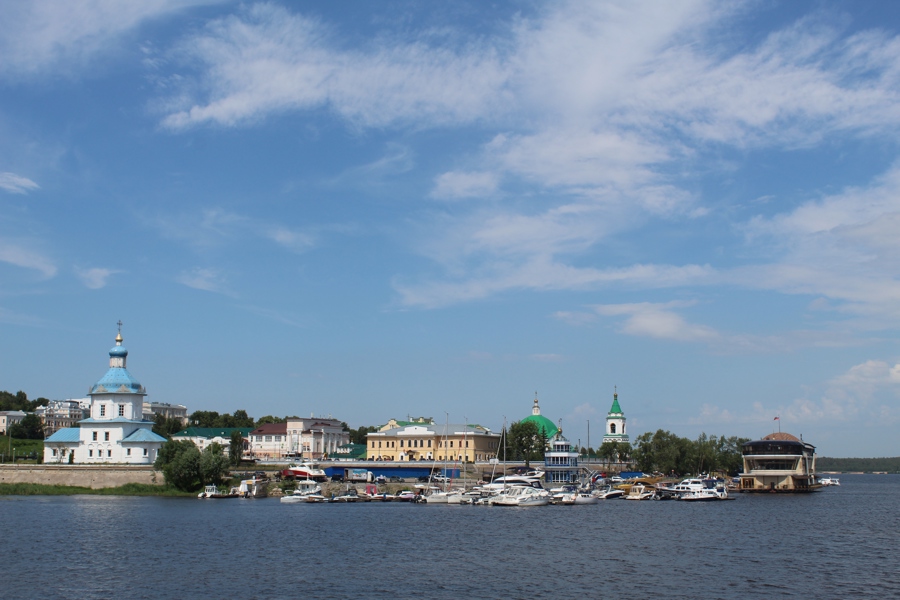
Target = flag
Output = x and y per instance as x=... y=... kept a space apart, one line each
x=777 y=419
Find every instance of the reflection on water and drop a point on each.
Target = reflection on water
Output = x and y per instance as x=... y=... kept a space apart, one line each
x=837 y=543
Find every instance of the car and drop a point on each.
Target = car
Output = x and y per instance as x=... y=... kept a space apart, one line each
x=381 y=479
x=423 y=478
x=337 y=478
x=395 y=479
x=440 y=479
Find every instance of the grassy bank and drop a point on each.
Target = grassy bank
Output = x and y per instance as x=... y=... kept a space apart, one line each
x=129 y=489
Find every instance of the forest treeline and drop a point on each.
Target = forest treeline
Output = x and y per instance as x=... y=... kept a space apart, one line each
x=864 y=465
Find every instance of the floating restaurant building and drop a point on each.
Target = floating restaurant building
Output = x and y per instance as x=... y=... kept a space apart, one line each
x=779 y=462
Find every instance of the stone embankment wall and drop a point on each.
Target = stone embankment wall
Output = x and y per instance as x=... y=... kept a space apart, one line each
x=81 y=476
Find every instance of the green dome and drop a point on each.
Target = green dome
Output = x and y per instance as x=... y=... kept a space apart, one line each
x=543 y=423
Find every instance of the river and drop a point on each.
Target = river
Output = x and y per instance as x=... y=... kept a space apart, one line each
x=840 y=542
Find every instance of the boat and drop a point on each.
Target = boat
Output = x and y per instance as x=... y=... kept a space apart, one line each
x=522 y=495
x=532 y=479
x=304 y=470
x=710 y=491
x=608 y=493
x=253 y=488
x=578 y=498
x=829 y=481
x=639 y=491
x=212 y=491
x=307 y=491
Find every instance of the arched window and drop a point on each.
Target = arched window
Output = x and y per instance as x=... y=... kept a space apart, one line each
x=612 y=427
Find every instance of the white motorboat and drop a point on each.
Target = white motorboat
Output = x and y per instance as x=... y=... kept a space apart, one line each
x=826 y=481
x=609 y=493
x=307 y=491
x=522 y=495
x=639 y=491
x=578 y=498
x=719 y=492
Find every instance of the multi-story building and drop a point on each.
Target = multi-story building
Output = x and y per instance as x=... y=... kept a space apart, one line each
x=456 y=442
x=268 y=442
x=316 y=437
x=312 y=438
x=202 y=437
x=59 y=414
x=169 y=411
x=8 y=418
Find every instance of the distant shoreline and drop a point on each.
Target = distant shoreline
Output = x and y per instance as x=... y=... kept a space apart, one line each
x=129 y=489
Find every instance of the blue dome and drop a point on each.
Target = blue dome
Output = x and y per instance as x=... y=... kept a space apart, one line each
x=117 y=381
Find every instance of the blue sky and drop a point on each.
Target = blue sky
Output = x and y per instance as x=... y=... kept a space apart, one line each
x=375 y=210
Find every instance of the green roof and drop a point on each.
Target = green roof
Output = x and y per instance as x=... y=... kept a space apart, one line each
x=211 y=432
x=615 y=407
x=543 y=423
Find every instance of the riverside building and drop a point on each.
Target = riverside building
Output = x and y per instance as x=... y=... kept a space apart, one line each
x=420 y=441
x=115 y=431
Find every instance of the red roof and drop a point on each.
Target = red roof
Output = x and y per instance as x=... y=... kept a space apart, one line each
x=270 y=429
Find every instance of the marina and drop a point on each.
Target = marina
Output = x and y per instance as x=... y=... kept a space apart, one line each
x=364 y=549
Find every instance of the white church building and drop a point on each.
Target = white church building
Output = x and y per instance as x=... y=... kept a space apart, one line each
x=115 y=432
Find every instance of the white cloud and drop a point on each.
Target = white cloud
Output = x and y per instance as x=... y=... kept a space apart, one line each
x=269 y=60
x=843 y=246
x=208 y=280
x=16 y=184
x=43 y=36
x=658 y=321
x=461 y=184
x=95 y=278
x=21 y=256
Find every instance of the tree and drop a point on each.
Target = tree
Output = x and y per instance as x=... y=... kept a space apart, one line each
x=270 y=419
x=358 y=436
x=526 y=442
x=29 y=428
x=213 y=465
x=166 y=426
x=179 y=462
x=236 y=448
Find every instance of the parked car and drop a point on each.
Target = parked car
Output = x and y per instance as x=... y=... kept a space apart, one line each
x=382 y=479
x=423 y=478
x=395 y=479
x=337 y=478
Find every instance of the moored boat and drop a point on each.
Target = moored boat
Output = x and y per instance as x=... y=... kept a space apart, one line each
x=521 y=496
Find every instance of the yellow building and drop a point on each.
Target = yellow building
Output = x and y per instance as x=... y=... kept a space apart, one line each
x=421 y=441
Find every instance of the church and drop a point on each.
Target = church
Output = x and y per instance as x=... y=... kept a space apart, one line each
x=615 y=422
x=115 y=432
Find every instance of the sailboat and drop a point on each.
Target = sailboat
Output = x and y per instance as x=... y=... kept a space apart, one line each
x=440 y=496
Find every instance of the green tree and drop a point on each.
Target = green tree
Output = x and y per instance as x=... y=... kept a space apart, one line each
x=526 y=442
x=358 y=436
x=213 y=465
x=236 y=448
x=270 y=419
x=204 y=418
x=242 y=419
x=29 y=428
x=179 y=461
x=166 y=426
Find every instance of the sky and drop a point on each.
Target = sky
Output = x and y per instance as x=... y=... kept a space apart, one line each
x=381 y=210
